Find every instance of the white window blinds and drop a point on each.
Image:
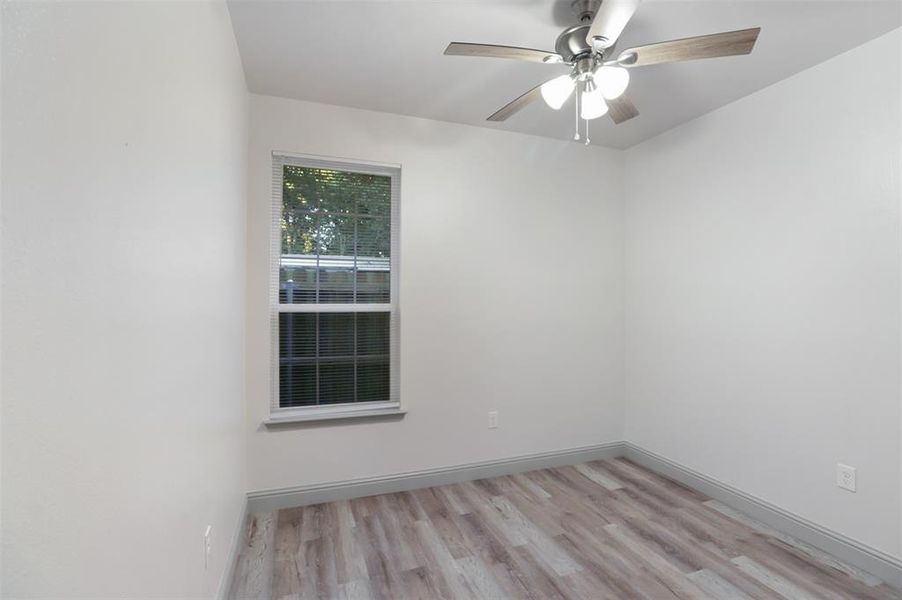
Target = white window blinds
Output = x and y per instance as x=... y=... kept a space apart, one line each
x=334 y=284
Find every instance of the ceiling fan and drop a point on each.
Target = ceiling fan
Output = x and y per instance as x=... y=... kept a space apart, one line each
x=599 y=77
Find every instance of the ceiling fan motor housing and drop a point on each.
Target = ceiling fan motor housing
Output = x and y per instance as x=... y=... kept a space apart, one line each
x=572 y=44
x=585 y=9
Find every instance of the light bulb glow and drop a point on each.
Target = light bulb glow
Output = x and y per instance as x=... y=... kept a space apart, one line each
x=556 y=91
x=593 y=104
x=612 y=81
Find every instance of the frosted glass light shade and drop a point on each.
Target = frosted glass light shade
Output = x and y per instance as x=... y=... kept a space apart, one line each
x=593 y=104
x=612 y=81
x=556 y=91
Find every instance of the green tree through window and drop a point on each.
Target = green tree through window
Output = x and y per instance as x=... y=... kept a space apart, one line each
x=320 y=207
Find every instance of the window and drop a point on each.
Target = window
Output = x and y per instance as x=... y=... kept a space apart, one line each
x=334 y=288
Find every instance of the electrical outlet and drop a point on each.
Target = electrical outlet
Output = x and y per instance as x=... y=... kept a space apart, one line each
x=208 y=545
x=493 y=419
x=845 y=477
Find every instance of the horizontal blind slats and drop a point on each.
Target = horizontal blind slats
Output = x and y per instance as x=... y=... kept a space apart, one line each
x=326 y=355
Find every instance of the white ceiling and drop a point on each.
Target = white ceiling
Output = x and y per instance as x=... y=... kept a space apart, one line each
x=386 y=55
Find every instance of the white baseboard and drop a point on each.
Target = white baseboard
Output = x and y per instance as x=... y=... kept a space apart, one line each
x=267 y=500
x=878 y=563
x=886 y=567
x=234 y=549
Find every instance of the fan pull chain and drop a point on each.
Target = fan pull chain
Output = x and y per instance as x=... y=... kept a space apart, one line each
x=576 y=104
x=587 y=132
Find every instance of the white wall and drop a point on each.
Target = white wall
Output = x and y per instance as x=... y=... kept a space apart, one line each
x=762 y=302
x=510 y=295
x=124 y=161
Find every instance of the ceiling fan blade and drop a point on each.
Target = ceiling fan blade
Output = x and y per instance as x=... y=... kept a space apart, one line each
x=610 y=19
x=729 y=43
x=515 y=106
x=493 y=51
x=622 y=109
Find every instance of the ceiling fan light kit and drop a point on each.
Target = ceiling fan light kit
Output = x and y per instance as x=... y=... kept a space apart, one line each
x=593 y=104
x=556 y=91
x=612 y=81
x=599 y=78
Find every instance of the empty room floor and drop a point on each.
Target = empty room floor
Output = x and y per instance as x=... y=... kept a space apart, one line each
x=604 y=529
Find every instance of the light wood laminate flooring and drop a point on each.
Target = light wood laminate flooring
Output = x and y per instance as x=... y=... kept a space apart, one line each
x=604 y=529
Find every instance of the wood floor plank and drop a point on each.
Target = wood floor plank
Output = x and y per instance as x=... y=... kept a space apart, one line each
x=344 y=515
x=673 y=487
x=383 y=576
x=448 y=495
x=598 y=477
x=586 y=510
x=716 y=586
x=441 y=564
x=818 y=581
x=592 y=508
x=358 y=589
x=315 y=519
x=318 y=577
x=481 y=499
x=349 y=558
x=816 y=554
x=672 y=543
x=541 y=580
x=488 y=547
x=583 y=584
x=430 y=503
x=400 y=547
x=286 y=579
x=780 y=585
x=253 y=569
x=573 y=479
x=600 y=530
x=613 y=575
x=419 y=584
x=669 y=575
x=548 y=551
x=446 y=527
x=287 y=541
x=536 y=508
x=480 y=578
x=794 y=564
x=530 y=486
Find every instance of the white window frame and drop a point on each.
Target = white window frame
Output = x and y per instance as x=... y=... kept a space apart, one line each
x=278 y=414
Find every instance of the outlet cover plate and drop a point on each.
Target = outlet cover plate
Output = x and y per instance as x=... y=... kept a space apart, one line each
x=845 y=477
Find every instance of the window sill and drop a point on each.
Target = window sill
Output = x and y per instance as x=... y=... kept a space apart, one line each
x=363 y=413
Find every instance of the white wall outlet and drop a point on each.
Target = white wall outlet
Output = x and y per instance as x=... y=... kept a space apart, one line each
x=208 y=545
x=493 y=419
x=845 y=477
